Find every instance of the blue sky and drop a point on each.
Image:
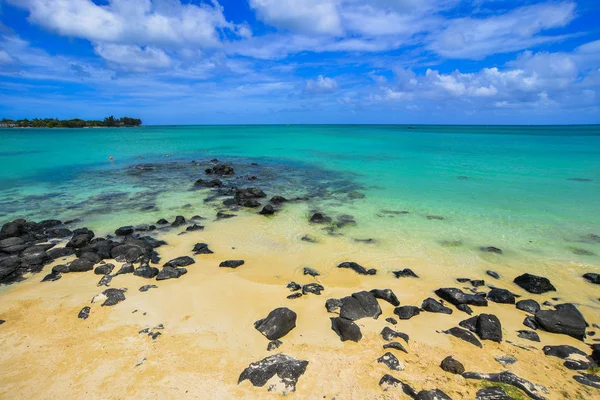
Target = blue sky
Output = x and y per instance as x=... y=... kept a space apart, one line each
x=302 y=61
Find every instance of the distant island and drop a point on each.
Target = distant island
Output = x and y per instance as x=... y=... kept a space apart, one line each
x=108 y=122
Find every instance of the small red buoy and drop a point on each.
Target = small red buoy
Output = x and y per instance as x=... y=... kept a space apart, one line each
x=111 y=158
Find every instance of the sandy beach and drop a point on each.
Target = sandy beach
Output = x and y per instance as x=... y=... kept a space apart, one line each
x=208 y=316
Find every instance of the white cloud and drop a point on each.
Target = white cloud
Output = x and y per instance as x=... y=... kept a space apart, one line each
x=134 y=58
x=321 y=85
x=476 y=38
x=303 y=16
x=139 y=22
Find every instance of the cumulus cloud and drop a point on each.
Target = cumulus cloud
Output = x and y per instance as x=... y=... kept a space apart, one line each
x=321 y=85
x=139 y=22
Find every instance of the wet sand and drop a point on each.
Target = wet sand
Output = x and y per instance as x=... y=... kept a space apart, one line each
x=208 y=315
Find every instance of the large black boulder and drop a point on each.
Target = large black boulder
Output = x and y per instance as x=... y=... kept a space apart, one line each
x=488 y=327
x=12 y=245
x=81 y=265
x=277 y=324
x=565 y=319
x=345 y=329
x=534 y=284
x=9 y=266
x=287 y=369
x=501 y=296
x=360 y=305
x=456 y=296
x=359 y=269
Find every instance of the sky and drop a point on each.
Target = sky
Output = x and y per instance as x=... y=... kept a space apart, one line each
x=302 y=61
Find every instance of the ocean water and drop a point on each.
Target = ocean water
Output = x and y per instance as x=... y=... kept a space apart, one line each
x=430 y=191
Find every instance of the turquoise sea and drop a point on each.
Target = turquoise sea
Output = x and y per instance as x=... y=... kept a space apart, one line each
x=532 y=191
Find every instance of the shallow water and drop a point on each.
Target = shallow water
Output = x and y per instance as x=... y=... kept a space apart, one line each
x=531 y=191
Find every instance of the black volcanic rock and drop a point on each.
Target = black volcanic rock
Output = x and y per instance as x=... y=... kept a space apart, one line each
x=360 y=305
x=449 y=364
x=201 y=248
x=405 y=273
x=434 y=306
x=565 y=319
x=359 y=269
x=530 y=306
x=465 y=335
x=501 y=296
x=231 y=263
x=407 y=312
x=287 y=369
x=488 y=327
x=387 y=295
x=456 y=296
x=277 y=324
x=534 y=284
x=183 y=261
x=346 y=329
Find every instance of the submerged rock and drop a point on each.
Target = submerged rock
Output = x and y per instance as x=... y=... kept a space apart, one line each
x=267 y=210
x=491 y=249
x=277 y=324
x=359 y=269
x=318 y=218
x=287 y=369
x=534 y=284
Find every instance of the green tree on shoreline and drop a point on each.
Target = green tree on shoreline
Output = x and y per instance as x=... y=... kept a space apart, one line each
x=70 y=123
